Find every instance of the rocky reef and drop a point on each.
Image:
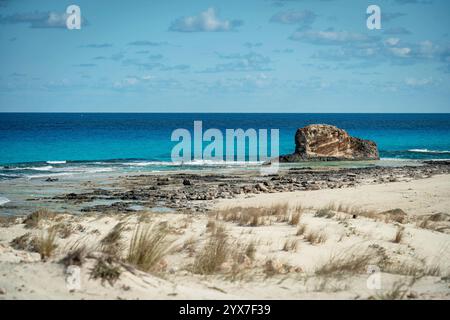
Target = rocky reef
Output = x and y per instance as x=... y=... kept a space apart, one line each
x=322 y=142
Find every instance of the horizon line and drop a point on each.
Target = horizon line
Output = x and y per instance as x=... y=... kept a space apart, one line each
x=202 y=112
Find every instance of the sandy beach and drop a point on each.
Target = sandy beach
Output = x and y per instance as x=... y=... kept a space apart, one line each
x=369 y=241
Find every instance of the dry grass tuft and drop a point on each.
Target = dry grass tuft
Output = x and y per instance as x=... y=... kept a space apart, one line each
x=210 y=226
x=294 y=219
x=301 y=229
x=35 y=219
x=274 y=267
x=253 y=216
x=398 y=235
x=416 y=269
x=106 y=270
x=399 y=291
x=250 y=250
x=189 y=246
x=439 y=222
x=213 y=255
x=112 y=243
x=394 y=215
x=7 y=221
x=64 y=230
x=75 y=257
x=349 y=261
x=24 y=242
x=46 y=244
x=326 y=212
x=148 y=247
x=277 y=210
x=290 y=245
x=315 y=237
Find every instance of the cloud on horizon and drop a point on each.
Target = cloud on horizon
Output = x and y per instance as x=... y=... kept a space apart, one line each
x=145 y=43
x=97 y=45
x=238 y=62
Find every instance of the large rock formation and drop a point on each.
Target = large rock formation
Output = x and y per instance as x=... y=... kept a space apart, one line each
x=328 y=143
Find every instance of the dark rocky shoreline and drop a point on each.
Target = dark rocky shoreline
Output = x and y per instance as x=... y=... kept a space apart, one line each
x=188 y=192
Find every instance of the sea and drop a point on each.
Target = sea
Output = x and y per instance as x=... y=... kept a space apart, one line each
x=52 y=145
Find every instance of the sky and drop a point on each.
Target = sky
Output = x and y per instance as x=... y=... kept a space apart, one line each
x=225 y=56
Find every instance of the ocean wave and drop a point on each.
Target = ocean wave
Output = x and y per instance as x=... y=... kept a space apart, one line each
x=3 y=200
x=56 y=162
x=70 y=172
x=429 y=151
x=193 y=163
x=397 y=159
x=44 y=168
x=9 y=175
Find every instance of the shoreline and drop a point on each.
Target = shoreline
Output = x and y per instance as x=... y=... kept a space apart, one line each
x=191 y=191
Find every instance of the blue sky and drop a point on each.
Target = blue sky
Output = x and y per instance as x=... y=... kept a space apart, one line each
x=225 y=56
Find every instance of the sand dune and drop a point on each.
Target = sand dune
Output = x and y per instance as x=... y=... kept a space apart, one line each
x=281 y=246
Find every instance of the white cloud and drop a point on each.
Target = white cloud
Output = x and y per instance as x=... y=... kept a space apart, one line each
x=329 y=37
x=414 y=82
x=392 y=41
x=400 y=52
x=39 y=19
x=303 y=17
x=206 y=21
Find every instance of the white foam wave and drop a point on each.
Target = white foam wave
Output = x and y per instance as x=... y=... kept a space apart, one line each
x=429 y=151
x=70 y=172
x=3 y=200
x=9 y=175
x=56 y=162
x=192 y=163
x=397 y=159
x=45 y=168
x=49 y=175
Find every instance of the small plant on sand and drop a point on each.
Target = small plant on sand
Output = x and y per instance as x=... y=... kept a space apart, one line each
x=24 y=242
x=75 y=257
x=254 y=216
x=349 y=261
x=250 y=250
x=398 y=235
x=148 y=247
x=315 y=237
x=298 y=209
x=277 y=210
x=64 y=230
x=326 y=212
x=399 y=290
x=106 y=270
x=46 y=243
x=189 y=246
x=274 y=267
x=213 y=254
x=301 y=229
x=112 y=244
x=210 y=226
x=7 y=221
x=290 y=245
x=35 y=219
x=294 y=219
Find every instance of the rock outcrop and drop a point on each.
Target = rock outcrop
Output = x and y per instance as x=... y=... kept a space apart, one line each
x=323 y=142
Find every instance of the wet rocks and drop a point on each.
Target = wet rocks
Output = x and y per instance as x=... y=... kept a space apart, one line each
x=175 y=192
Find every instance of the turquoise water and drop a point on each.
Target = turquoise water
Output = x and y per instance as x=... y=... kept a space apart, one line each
x=52 y=144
